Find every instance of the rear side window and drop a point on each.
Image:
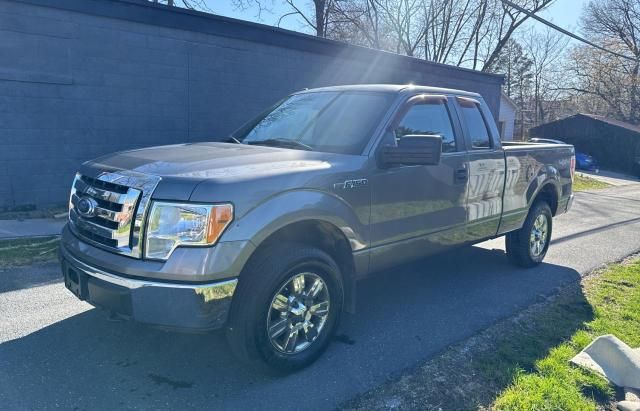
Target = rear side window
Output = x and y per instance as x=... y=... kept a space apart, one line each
x=476 y=124
x=430 y=118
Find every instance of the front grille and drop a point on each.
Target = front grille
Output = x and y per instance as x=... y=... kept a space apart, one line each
x=108 y=211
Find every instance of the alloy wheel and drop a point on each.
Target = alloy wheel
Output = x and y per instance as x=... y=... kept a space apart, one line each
x=298 y=313
x=539 y=235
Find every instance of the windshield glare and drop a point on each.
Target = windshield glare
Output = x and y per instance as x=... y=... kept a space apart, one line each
x=332 y=121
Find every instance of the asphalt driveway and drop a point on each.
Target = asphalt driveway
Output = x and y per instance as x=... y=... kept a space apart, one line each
x=56 y=351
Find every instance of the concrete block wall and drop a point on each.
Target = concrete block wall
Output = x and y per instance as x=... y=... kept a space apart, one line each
x=82 y=78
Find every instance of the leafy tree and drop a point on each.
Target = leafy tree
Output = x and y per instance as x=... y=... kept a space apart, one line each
x=516 y=67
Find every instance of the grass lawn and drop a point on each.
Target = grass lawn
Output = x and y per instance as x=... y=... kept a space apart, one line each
x=14 y=253
x=582 y=183
x=553 y=384
x=522 y=363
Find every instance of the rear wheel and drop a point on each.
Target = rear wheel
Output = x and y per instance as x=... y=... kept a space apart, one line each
x=287 y=307
x=528 y=246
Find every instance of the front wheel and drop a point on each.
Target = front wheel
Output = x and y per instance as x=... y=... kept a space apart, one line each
x=528 y=246
x=287 y=307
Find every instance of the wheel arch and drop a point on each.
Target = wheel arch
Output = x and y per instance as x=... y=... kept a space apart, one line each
x=325 y=236
x=549 y=192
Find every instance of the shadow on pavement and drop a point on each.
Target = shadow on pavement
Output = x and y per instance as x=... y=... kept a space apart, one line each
x=406 y=315
x=20 y=278
x=472 y=374
x=594 y=230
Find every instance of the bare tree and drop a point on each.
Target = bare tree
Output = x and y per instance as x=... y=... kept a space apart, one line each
x=469 y=33
x=315 y=17
x=545 y=50
x=189 y=4
x=359 y=22
x=447 y=25
x=615 y=25
x=502 y=21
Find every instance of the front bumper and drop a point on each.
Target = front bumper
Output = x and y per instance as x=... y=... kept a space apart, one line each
x=165 y=304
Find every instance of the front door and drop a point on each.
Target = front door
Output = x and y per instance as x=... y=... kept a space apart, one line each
x=416 y=210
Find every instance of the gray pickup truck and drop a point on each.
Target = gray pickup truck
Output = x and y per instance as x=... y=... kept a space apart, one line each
x=266 y=234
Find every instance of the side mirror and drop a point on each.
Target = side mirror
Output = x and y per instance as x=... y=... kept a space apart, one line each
x=413 y=150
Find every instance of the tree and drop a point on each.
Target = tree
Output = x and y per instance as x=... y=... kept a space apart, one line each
x=189 y=4
x=603 y=79
x=315 y=17
x=503 y=21
x=516 y=67
x=545 y=50
x=469 y=33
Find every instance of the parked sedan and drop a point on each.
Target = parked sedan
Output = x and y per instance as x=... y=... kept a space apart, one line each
x=586 y=162
x=583 y=160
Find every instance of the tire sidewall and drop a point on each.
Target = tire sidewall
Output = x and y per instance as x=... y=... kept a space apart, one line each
x=540 y=208
x=263 y=277
x=294 y=361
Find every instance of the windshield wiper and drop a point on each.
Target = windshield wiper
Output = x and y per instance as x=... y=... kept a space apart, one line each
x=232 y=139
x=282 y=142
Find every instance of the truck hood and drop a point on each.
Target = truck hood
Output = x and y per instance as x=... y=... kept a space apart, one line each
x=182 y=167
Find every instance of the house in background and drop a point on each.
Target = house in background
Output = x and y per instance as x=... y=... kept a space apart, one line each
x=507 y=117
x=615 y=144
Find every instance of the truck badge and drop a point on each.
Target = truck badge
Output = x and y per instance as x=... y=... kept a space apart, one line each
x=348 y=184
x=87 y=207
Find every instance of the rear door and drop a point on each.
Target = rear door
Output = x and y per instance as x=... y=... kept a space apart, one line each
x=486 y=169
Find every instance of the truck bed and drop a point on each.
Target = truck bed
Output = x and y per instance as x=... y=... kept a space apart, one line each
x=528 y=164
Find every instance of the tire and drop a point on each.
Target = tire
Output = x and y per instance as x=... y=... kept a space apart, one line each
x=520 y=246
x=255 y=308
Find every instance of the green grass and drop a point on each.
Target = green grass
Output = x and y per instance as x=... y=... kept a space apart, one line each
x=552 y=383
x=583 y=183
x=15 y=253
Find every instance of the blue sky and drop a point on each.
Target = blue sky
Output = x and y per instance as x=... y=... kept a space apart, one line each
x=565 y=13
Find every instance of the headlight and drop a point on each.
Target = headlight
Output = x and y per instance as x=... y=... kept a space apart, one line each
x=171 y=225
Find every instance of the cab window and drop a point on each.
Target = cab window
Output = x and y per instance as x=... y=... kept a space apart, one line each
x=431 y=118
x=476 y=124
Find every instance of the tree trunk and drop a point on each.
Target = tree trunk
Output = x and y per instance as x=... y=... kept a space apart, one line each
x=633 y=112
x=320 y=16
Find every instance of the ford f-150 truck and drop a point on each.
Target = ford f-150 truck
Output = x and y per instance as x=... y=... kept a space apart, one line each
x=266 y=233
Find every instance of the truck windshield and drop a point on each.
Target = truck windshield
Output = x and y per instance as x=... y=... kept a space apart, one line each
x=331 y=121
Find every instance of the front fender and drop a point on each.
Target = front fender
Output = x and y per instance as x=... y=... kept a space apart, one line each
x=300 y=205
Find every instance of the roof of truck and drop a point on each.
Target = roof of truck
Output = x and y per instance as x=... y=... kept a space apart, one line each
x=393 y=88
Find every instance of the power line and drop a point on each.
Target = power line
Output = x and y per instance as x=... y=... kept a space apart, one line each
x=565 y=32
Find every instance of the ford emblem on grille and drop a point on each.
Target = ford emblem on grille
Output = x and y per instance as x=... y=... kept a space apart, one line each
x=87 y=207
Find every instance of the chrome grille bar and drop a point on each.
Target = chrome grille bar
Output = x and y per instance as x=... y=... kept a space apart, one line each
x=118 y=207
x=105 y=195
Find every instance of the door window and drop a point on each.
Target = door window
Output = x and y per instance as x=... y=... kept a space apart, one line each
x=430 y=118
x=477 y=126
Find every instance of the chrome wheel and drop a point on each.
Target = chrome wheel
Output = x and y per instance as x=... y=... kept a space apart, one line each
x=539 y=235
x=298 y=313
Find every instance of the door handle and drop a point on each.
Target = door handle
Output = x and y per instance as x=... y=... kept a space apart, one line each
x=461 y=175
